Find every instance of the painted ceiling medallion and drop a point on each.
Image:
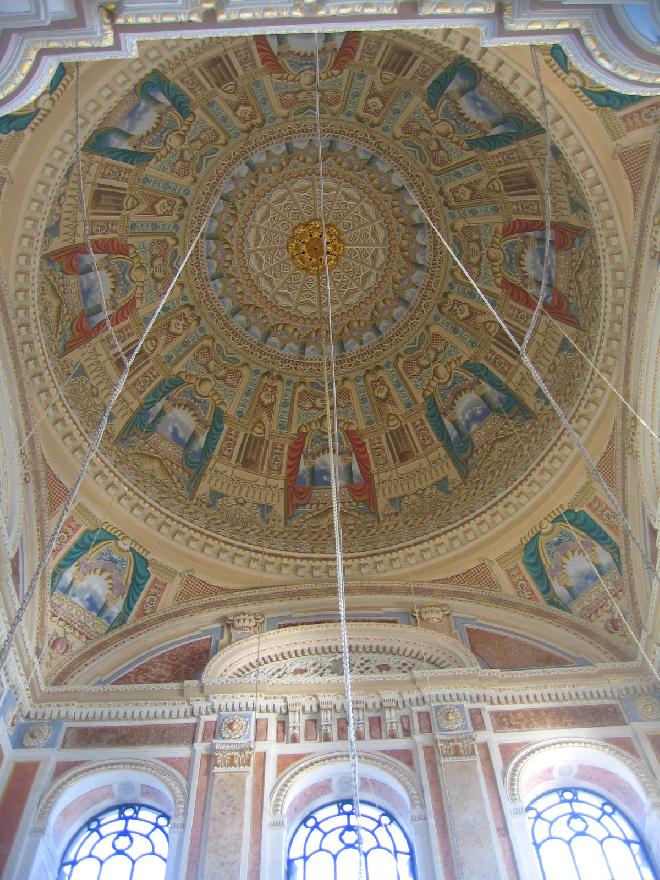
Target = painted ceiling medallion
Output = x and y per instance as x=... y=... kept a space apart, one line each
x=305 y=246
x=221 y=424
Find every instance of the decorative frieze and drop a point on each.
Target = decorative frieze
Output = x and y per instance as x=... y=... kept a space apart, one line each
x=458 y=746
x=232 y=756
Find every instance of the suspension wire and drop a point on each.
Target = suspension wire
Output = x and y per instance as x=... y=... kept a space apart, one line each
x=405 y=535
x=568 y=427
x=104 y=518
x=332 y=427
x=540 y=305
x=547 y=193
x=554 y=503
x=86 y=225
x=96 y=442
x=600 y=374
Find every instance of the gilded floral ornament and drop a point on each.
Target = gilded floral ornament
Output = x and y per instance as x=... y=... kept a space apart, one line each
x=305 y=246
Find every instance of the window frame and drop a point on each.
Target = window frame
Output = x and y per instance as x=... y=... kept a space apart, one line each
x=339 y=802
x=577 y=788
x=68 y=861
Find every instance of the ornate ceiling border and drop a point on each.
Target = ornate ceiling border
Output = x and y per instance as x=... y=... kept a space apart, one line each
x=598 y=41
x=497 y=513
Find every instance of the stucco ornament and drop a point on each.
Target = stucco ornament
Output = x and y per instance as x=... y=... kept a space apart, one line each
x=222 y=423
x=37 y=735
x=234 y=727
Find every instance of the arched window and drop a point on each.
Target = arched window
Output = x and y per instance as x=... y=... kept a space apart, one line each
x=325 y=845
x=129 y=841
x=579 y=835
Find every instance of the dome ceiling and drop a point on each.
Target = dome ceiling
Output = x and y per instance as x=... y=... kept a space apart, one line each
x=222 y=421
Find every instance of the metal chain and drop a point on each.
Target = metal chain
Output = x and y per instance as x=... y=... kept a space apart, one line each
x=330 y=384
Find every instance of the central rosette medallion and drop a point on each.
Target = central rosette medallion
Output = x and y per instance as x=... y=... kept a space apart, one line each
x=305 y=246
x=264 y=253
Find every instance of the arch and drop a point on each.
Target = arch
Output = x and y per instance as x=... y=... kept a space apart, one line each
x=168 y=778
x=318 y=644
x=628 y=767
x=393 y=768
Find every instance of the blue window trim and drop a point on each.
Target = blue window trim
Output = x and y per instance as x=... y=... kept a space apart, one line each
x=541 y=828
x=346 y=808
x=82 y=845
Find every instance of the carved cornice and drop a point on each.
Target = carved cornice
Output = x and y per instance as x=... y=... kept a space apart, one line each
x=487 y=687
x=611 y=53
x=514 y=769
x=393 y=768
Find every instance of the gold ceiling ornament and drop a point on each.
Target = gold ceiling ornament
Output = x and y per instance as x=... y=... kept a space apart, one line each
x=305 y=246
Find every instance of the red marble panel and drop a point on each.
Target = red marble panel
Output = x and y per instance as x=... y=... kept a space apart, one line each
x=477 y=719
x=12 y=804
x=342 y=728
x=618 y=789
x=284 y=761
x=258 y=784
x=654 y=739
x=209 y=731
x=624 y=743
x=143 y=735
x=497 y=812
x=197 y=828
x=375 y=727
x=311 y=730
x=301 y=802
x=403 y=755
x=63 y=767
x=155 y=796
x=178 y=664
x=500 y=651
x=508 y=750
x=261 y=730
x=405 y=725
x=604 y=715
x=181 y=765
x=69 y=819
x=281 y=731
x=424 y=722
x=439 y=814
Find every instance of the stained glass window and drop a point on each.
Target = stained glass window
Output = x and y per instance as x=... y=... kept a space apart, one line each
x=129 y=842
x=325 y=845
x=579 y=835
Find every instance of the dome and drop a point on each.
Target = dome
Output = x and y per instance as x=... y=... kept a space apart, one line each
x=222 y=423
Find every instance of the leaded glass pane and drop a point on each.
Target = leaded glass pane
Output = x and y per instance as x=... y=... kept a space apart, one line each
x=578 y=835
x=128 y=842
x=325 y=845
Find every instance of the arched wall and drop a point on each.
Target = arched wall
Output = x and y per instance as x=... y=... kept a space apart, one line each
x=591 y=764
x=82 y=792
x=326 y=778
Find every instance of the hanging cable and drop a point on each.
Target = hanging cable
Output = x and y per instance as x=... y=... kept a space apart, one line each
x=405 y=535
x=96 y=442
x=570 y=430
x=547 y=195
x=554 y=503
x=330 y=386
x=86 y=227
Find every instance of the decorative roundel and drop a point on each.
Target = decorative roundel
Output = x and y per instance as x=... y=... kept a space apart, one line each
x=222 y=426
x=234 y=727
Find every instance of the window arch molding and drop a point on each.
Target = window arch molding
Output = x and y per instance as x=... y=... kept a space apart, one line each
x=587 y=764
x=323 y=779
x=86 y=791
